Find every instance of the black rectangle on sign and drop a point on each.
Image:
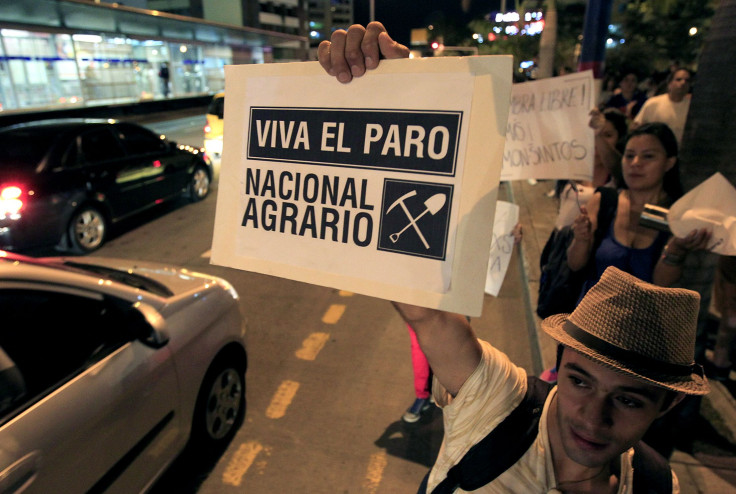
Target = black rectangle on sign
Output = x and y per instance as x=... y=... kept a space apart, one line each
x=411 y=141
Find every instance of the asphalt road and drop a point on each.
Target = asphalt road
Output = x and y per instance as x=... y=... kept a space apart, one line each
x=329 y=374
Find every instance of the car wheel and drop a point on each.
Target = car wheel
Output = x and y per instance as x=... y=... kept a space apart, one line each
x=87 y=230
x=220 y=405
x=199 y=184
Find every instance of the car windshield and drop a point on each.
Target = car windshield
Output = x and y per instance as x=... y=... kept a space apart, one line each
x=25 y=148
x=130 y=279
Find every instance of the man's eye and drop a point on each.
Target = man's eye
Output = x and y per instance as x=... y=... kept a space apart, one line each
x=629 y=402
x=576 y=381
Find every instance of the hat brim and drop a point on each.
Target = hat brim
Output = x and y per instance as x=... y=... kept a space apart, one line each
x=694 y=384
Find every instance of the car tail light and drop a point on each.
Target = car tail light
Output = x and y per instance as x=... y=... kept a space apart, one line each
x=207 y=128
x=10 y=202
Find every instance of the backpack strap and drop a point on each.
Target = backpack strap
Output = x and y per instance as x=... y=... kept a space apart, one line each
x=652 y=472
x=503 y=446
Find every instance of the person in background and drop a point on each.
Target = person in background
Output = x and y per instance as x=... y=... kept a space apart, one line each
x=610 y=129
x=607 y=90
x=670 y=108
x=163 y=74
x=422 y=381
x=627 y=99
x=651 y=176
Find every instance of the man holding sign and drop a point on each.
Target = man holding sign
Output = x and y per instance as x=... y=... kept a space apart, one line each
x=613 y=384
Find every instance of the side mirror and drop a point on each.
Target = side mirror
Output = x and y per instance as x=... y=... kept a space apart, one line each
x=154 y=331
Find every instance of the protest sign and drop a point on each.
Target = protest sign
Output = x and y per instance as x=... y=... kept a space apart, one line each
x=502 y=245
x=385 y=186
x=547 y=135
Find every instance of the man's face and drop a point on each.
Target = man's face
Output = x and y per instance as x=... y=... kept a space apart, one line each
x=601 y=413
x=679 y=86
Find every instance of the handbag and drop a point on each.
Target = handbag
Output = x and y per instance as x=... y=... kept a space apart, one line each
x=559 y=286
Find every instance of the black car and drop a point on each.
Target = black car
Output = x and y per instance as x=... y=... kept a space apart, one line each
x=64 y=182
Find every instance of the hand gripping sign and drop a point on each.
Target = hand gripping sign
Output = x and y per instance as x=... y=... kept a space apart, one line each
x=385 y=186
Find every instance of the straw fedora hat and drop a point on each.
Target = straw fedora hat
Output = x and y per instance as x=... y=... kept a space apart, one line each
x=636 y=328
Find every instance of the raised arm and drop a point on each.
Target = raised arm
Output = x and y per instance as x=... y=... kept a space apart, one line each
x=583 y=229
x=350 y=53
x=447 y=340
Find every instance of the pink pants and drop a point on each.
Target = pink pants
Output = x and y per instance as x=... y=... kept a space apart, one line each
x=422 y=372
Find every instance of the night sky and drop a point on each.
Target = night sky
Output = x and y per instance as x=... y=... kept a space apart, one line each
x=400 y=16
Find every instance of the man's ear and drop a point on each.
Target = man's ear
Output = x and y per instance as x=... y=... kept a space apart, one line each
x=677 y=399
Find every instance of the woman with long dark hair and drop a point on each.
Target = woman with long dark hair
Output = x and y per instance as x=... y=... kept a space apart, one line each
x=650 y=176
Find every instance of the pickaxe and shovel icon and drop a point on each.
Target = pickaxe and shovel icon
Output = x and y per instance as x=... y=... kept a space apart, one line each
x=432 y=206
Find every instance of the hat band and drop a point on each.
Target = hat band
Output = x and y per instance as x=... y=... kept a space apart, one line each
x=627 y=357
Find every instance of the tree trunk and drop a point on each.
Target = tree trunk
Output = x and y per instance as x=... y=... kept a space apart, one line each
x=708 y=144
x=548 y=42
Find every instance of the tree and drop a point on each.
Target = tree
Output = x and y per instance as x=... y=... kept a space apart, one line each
x=656 y=33
x=548 y=41
x=708 y=145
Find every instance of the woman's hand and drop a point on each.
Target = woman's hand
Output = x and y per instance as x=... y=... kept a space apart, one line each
x=349 y=54
x=597 y=120
x=582 y=227
x=697 y=239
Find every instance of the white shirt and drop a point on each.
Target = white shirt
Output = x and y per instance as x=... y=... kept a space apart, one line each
x=662 y=109
x=495 y=388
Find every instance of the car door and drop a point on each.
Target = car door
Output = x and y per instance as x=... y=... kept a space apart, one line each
x=112 y=176
x=165 y=171
x=97 y=409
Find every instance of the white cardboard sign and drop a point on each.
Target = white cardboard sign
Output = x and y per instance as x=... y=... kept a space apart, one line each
x=502 y=245
x=385 y=186
x=547 y=135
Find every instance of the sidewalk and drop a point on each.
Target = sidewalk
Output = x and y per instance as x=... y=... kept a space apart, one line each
x=710 y=466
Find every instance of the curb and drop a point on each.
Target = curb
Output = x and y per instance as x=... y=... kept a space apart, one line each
x=535 y=346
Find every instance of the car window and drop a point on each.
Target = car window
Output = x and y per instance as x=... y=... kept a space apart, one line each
x=24 y=147
x=99 y=145
x=217 y=106
x=48 y=337
x=137 y=140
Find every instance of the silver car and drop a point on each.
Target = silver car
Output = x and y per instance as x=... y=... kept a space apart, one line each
x=109 y=368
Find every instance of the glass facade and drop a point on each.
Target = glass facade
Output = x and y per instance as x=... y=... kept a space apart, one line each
x=45 y=69
x=122 y=58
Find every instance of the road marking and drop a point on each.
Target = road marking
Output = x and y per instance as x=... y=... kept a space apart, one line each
x=241 y=462
x=282 y=399
x=333 y=314
x=312 y=345
x=345 y=293
x=207 y=254
x=374 y=474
